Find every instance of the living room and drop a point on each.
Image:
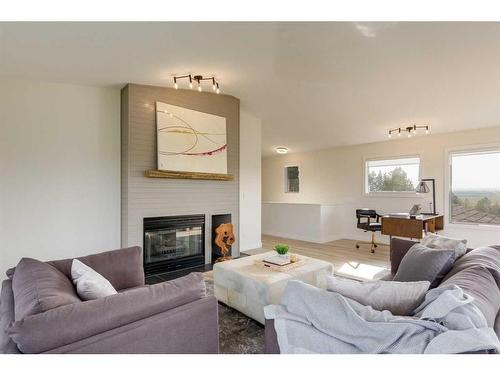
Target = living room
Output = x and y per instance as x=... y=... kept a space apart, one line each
x=249 y=188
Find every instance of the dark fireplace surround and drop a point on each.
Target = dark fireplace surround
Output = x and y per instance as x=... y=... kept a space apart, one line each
x=173 y=243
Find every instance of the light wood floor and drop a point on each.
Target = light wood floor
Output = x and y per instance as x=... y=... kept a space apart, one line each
x=337 y=252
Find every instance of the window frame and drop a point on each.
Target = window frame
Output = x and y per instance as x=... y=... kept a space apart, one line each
x=285 y=179
x=481 y=148
x=394 y=194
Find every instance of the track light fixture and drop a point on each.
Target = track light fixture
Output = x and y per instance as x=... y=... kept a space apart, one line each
x=410 y=130
x=198 y=79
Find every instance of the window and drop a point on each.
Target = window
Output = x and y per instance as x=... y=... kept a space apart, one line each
x=475 y=187
x=292 y=179
x=392 y=175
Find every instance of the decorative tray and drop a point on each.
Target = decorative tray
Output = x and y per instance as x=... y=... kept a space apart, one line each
x=286 y=267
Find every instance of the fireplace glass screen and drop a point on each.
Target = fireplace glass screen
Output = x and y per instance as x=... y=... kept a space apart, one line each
x=172 y=243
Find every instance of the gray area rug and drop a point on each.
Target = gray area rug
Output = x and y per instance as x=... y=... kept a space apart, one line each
x=238 y=334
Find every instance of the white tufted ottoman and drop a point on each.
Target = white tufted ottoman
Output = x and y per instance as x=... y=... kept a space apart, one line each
x=248 y=287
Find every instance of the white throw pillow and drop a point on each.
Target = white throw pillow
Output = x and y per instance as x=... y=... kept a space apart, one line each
x=435 y=241
x=89 y=283
x=400 y=298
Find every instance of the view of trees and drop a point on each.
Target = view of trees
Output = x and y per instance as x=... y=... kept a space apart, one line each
x=395 y=180
x=483 y=204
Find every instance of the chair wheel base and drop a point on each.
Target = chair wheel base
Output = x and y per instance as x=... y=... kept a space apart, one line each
x=357 y=246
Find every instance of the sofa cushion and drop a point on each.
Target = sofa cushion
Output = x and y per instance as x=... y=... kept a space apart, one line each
x=39 y=287
x=423 y=264
x=435 y=241
x=89 y=283
x=397 y=297
x=35 y=334
x=7 y=346
x=478 y=282
x=486 y=256
x=123 y=267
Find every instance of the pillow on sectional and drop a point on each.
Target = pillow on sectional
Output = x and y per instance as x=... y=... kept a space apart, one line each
x=423 y=264
x=399 y=248
x=89 y=283
x=397 y=297
x=435 y=241
x=39 y=287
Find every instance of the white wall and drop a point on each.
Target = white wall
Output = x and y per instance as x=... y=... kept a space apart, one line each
x=335 y=176
x=250 y=181
x=59 y=171
x=302 y=221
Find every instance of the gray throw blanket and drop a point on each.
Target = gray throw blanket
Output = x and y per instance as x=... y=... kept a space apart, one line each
x=312 y=320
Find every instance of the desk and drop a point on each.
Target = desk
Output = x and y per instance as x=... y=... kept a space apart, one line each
x=412 y=228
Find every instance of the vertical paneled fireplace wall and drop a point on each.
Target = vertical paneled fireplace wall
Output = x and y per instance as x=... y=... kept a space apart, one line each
x=154 y=197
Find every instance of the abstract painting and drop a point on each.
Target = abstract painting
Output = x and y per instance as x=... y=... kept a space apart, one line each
x=190 y=141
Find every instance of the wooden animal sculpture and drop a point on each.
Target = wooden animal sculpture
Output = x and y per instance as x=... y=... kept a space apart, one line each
x=224 y=238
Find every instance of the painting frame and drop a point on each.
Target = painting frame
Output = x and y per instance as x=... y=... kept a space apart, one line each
x=190 y=144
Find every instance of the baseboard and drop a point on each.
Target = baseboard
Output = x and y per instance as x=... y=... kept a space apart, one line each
x=291 y=236
x=256 y=245
x=332 y=237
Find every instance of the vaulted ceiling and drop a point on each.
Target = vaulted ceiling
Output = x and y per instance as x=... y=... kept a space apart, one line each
x=314 y=85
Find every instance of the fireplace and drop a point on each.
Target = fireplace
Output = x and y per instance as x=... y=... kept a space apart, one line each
x=172 y=243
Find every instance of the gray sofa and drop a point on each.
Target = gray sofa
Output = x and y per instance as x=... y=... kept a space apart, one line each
x=41 y=312
x=477 y=273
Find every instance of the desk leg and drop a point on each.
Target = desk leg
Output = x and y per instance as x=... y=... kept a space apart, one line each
x=431 y=226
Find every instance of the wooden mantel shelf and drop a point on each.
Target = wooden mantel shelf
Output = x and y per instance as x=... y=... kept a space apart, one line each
x=154 y=173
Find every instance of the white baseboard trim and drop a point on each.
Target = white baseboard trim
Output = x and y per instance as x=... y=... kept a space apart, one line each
x=329 y=238
x=332 y=237
x=292 y=236
x=256 y=245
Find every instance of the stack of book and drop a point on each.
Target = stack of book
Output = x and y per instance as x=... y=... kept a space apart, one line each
x=277 y=260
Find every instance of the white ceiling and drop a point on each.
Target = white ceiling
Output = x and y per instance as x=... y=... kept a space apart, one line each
x=315 y=85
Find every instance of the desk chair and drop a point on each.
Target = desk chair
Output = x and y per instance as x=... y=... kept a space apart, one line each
x=364 y=217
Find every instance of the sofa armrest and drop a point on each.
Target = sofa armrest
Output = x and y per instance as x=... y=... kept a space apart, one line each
x=399 y=248
x=123 y=267
x=70 y=323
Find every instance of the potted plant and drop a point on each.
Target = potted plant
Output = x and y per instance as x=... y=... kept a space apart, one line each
x=282 y=250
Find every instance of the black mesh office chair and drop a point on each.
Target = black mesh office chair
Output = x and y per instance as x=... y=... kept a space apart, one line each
x=365 y=222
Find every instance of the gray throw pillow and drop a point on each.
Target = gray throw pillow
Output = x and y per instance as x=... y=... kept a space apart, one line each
x=39 y=287
x=397 y=297
x=424 y=264
x=435 y=241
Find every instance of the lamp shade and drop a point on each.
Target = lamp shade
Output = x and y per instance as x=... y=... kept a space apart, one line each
x=422 y=187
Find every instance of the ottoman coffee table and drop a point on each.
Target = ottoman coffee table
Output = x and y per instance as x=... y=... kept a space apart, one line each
x=248 y=286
